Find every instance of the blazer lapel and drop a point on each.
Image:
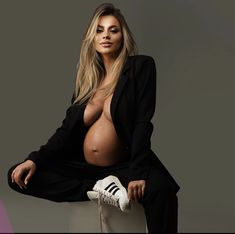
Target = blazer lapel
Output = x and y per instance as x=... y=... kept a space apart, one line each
x=118 y=89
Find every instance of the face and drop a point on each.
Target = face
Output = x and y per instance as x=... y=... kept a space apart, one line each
x=108 y=38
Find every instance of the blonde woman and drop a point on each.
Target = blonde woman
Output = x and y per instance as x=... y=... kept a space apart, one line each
x=102 y=150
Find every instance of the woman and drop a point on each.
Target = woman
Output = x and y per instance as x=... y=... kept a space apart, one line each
x=102 y=149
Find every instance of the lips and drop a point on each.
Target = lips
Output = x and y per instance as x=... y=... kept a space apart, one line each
x=106 y=43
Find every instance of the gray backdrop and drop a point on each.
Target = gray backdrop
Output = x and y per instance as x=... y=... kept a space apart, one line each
x=192 y=43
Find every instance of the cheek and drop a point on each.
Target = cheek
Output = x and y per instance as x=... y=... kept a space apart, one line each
x=96 y=42
x=118 y=40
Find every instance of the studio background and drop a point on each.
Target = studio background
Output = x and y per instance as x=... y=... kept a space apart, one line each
x=192 y=43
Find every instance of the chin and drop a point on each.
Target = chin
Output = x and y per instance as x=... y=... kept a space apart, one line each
x=107 y=52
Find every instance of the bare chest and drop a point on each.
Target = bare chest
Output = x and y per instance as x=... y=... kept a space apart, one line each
x=99 y=106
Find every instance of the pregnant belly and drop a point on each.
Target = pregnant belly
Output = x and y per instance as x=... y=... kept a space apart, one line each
x=102 y=146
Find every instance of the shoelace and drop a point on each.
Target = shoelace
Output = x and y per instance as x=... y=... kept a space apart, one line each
x=108 y=198
x=105 y=198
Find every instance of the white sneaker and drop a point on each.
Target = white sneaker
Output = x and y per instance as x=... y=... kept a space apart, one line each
x=110 y=191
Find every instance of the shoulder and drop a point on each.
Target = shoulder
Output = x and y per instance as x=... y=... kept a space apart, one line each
x=136 y=62
x=141 y=64
x=140 y=59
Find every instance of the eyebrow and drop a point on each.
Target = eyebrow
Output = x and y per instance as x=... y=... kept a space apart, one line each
x=109 y=26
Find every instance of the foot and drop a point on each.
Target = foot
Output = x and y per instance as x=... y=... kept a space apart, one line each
x=110 y=191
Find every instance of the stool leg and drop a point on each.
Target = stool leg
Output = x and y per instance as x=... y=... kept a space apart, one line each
x=103 y=218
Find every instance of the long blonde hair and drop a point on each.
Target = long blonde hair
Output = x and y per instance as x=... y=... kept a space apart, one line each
x=90 y=68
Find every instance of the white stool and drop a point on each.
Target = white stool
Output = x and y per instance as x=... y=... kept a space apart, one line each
x=84 y=217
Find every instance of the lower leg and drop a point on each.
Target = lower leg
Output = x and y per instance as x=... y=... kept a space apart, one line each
x=162 y=214
x=160 y=203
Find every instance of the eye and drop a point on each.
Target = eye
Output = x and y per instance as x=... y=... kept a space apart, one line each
x=114 y=30
x=98 y=30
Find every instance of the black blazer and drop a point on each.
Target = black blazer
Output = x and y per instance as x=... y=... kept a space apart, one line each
x=132 y=108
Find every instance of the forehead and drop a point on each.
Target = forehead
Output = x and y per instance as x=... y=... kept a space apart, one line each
x=107 y=20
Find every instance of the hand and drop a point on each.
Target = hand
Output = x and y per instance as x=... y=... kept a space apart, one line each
x=28 y=167
x=136 y=190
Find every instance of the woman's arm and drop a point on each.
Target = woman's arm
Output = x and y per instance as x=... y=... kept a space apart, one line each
x=54 y=145
x=145 y=108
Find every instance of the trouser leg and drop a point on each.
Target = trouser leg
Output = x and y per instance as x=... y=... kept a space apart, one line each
x=66 y=180
x=71 y=183
x=47 y=183
x=160 y=204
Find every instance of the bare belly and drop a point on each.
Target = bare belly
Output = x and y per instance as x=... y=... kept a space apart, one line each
x=102 y=146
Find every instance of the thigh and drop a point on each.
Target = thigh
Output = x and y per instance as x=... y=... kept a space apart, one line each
x=158 y=182
x=121 y=171
x=49 y=183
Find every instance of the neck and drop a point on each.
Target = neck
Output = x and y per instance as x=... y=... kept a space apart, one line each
x=108 y=61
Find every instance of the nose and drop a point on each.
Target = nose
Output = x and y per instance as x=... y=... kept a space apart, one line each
x=106 y=35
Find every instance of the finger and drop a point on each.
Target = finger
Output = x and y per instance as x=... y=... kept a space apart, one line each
x=12 y=176
x=19 y=183
x=22 y=185
x=18 y=180
x=140 y=192
x=143 y=190
x=135 y=194
x=130 y=194
x=15 y=178
x=28 y=177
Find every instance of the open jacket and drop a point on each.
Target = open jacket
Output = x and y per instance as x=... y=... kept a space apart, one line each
x=132 y=108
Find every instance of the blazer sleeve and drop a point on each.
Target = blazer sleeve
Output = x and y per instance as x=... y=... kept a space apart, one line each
x=52 y=149
x=141 y=152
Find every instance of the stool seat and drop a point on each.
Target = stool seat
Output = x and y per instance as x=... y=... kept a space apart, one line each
x=84 y=217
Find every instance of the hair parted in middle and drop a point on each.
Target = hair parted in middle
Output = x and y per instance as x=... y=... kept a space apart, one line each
x=90 y=68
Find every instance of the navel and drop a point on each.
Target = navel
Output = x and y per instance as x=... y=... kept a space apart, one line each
x=94 y=149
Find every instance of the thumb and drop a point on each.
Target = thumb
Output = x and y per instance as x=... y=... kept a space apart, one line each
x=129 y=194
x=28 y=177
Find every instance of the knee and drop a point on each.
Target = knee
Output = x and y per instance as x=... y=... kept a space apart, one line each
x=159 y=185
x=165 y=190
x=160 y=193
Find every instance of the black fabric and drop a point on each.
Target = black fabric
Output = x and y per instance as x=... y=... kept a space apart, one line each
x=63 y=175
x=68 y=182
x=132 y=107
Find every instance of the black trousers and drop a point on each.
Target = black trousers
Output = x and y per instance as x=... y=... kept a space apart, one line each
x=69 y=181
